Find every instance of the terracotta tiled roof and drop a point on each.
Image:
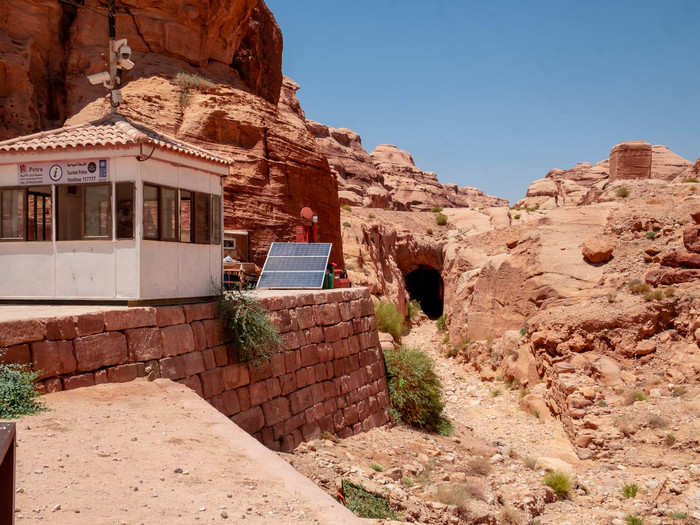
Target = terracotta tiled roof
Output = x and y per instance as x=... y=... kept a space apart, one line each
x=112 y=130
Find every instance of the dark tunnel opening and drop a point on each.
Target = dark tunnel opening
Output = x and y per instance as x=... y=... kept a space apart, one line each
x=425 y=286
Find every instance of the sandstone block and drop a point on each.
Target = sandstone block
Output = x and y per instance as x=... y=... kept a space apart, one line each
x=101 y=377
x=327 y=314
x=212 y=383
x=309 y=355
x=96 y=351
x=170 y=315
x=278 y=364
x=301 y=400
x=129 y=318
x=259 y=393
x=16 y=354
x=681 y=259
x=79 y=381
x=53 y=385
x=282 y=320
x=250 y=420
x=200 y=311
x=288 y=383
x=221 y=355
x=177 y=339
x=199 y=334
x=230 y=403
x=259 y=373
x=193 y=363
x=53 y=358
x=194 y=383
x=89 y=324
x=122 y=373
x=305 y=317
x=276 y=411
x=144 y=344
x=60 y=328
x=208 y=358
x=235 y=376
x=17 y=332
x=691 y=238
x=172 y=368
x=630 y=160
x=215 y=333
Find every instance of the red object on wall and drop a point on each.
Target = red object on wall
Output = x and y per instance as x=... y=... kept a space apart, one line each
x=308 y=230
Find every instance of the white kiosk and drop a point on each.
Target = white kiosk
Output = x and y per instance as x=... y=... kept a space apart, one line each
x=109 y=211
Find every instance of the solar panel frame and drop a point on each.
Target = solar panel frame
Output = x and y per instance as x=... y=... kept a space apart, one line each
x=308 y=260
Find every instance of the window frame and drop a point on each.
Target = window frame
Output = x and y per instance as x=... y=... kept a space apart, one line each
x=83 y=223
x=206 y=197
x=159 y=188
x=44 y=215
x=23 y=229
x=133 y=210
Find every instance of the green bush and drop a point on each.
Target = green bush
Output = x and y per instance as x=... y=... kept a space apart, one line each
x=651 y=235
x=442 y=323
x=365 y=504
x=436 y=209
x=429 y=231
x=630 y=491
x=516 y=216
x=346 y=207
x=346 y=224
x=637 y=287
x=18 y=392
x=372 y=216
x=691 y=179
x=559 y=482
x=655 y=295
x=633 y=519
x=441 y=219
x=389 y=319
x=189 y=82
x=622 y=192
x=255 y=338
x=415 y=390
x=414 y=308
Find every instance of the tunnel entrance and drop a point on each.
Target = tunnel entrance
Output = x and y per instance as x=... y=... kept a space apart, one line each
x=425 y=286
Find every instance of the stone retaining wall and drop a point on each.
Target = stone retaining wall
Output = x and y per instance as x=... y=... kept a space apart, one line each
x=329 y=375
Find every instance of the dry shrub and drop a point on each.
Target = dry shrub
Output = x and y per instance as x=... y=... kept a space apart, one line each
x=479 y=465
x=458 y=494
x=510 y=516
x=656 y=421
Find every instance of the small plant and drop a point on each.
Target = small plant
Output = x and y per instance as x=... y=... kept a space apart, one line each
x=328 y=436
x=669 y=292
x=678 y=515
x=372 y=216
x=530 y=209
x=479 y=465
x=559 y=482
x=655 y=295
x=18 y=392
x=496 y=392
x=189 y=82
x=531 y=463
x=656 y=422
x=436 y=209
x=408 y=482
x=376 y=467
x=429 y=231
x=637 y=287
x=414 y=308
x=415 y=390
x=510 y=516
x=612 y=297
x=679 y=391
x=345 y=207
x=622 y=192
x=441 y=219
x=346 y=224
x=523 y=331
x=453 y=494
x=441 y=322
x=389 y=319
x=630 y=491
x=365 y=504
x=638 y=395
x=524 y=391
x=651 y=235
x=516 y=216
x=602 y=403
x=255 y=338
x=691 y=179
x=633 y=519
x=670 y=439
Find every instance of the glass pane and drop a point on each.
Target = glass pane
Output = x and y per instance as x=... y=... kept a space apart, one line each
x=69 y=212
x=216 y=219
x=168 y=214
x=98 y=215
x=12 y=221
x=201 y=219
x=186 y=216
x=150 y=212
x=39 y=213
x=125 y=210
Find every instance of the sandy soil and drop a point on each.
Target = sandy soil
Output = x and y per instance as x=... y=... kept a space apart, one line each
x=154 y=453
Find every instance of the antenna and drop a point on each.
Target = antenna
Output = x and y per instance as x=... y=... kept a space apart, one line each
x=119 y=55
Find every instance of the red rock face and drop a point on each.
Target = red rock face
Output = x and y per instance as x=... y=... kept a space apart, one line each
x=631 y=160
x=243 y=110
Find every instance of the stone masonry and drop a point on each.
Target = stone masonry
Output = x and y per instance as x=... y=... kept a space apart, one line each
x=329 y=375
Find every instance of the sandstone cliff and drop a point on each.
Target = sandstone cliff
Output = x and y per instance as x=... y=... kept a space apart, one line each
x=206 y=72
x=388 y=177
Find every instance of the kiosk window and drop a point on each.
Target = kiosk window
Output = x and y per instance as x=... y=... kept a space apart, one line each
x=151 y=228
x=12 y=206
x=201 y=218
x=215 y=219
x=186 y=216
x=84 y=211
x=168 y=214
x=125 y=210
x=39 y=213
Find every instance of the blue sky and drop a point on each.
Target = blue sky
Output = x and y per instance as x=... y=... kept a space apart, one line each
x=494 y=94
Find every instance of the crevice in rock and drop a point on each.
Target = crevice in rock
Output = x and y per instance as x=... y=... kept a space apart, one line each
x=425 y=285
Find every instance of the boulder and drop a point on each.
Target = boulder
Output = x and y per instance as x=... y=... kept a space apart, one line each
x=667 y=277
x=691 y=237
x=681 y=259
x=597 y=249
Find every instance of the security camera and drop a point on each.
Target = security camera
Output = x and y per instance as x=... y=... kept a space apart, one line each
x=99 y=78
x=123 y=53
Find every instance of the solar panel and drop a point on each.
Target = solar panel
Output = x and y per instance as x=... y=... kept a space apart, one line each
x=295 y=265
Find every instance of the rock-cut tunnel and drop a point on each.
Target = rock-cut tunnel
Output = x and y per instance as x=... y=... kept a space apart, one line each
x=424 y=284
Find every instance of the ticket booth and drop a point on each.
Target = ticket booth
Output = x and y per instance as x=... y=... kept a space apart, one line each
x=109 y=211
